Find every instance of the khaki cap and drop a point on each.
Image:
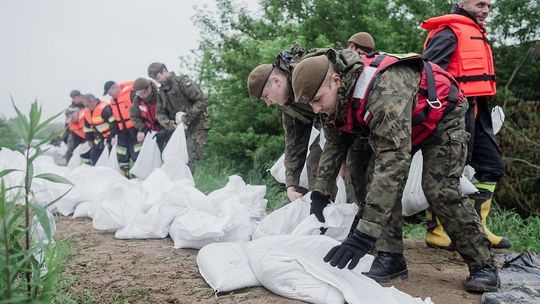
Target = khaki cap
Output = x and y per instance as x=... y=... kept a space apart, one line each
x=154 y=69
x=363 y=40
x=140 y=84
x=257 y=80
x=308 y=76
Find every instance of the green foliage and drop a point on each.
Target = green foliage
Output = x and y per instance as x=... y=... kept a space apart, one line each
x=8 y=135
x=29 y=265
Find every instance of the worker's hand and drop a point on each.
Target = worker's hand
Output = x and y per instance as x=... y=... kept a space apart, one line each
x=140 y=137
x=113 y=141
x=353 y=248
x=292 y=194
x=318 y=202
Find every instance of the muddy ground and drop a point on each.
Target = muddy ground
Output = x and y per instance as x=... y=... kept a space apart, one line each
x=103 y=269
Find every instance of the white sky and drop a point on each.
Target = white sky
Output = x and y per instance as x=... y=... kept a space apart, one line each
x=49 y=47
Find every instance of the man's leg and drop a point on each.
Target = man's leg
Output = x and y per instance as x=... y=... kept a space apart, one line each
x=196 y=141
x=122 y=144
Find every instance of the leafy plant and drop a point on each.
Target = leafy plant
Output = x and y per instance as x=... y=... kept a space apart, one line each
x=30 y=260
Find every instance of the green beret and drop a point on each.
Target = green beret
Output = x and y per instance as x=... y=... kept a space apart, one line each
x=363 y=40
x=140 y=84
x=154 y=69
x=257 y=80
x=308 y=76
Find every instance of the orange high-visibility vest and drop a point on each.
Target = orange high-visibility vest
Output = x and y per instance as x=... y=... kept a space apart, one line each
x=120 y=106
x=96 y=121
x=472 y=61
x=77 y=126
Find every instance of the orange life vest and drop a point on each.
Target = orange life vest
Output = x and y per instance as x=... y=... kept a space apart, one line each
x=120 y=106
x=438 y=94
x=472 y=61
x=78 y=125
x=97 y=122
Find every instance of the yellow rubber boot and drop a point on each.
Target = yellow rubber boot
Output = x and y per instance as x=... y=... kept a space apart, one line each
x=482 y=204
x=435 y=234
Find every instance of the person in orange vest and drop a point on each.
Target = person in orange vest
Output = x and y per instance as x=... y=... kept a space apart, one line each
x=69 y=137
x=99 y=124
x=75 y=125
x=127 y=146
x=458 y=42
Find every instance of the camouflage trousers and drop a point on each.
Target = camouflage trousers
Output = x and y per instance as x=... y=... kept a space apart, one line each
x=357 y=166
x=196 y=141
x=444 y=157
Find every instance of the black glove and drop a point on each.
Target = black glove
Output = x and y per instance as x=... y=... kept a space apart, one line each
x=352 y=249
x=318 y=202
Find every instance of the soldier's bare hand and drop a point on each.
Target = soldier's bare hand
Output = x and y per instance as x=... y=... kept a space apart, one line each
x=140 y=137
x=292 y=194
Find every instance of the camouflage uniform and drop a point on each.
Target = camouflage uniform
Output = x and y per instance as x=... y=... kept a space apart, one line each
x=391 y=101
x=181 y=94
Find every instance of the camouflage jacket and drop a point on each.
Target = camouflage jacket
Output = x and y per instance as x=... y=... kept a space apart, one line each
x=180 y=93
x=390 y=102
x=298 y=120
x=135 y=112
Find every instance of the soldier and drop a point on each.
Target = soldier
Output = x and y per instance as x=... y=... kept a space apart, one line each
x=99 y=124
x=127 y=147
x=458 y=42
x=143 y=111
x=70 y=137
x=181 y=94
x=377 y=102
x=361 y=42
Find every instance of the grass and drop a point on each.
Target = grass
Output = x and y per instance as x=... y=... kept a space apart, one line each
x=523 y=233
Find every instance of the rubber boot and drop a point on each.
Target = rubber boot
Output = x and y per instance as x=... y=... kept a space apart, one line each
x=436 y=237
x=482 y=204
x=483 y=279
x=125 y=172
x=388 y=266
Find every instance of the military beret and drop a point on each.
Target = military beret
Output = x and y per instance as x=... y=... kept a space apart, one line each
x=363 y=40
x=154 y=68
x=107 y=86
x=257 y=80
x=308 y=76
x=140 y=84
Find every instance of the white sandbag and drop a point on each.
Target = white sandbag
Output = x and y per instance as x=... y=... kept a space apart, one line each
x=225 y=267
x=194 y=228
x=103 y=158
x=154 y=218
x=497 y=117
x=293 y=267
x=84 y=209
x=176 y=148
x=56 y=152
x=338 y=221
x=75 y=159
x=278 y=169
x=414 y=200
x=149 y=157
x=177 y=170
x=123 y=202
x=112 y=161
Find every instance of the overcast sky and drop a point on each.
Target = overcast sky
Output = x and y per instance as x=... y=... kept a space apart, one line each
x=50 y=47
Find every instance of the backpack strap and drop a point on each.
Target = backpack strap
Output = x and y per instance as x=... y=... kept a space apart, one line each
x=432 y=98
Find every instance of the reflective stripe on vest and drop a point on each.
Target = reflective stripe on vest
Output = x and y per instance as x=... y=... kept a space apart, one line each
x=120 y=106
x=96 y=121
x=438 y=94
x=472 y=61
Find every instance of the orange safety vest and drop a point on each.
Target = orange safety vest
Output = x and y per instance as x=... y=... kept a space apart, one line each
x=472 y=62
x=78 y=125
x=96 y=120
x=120 y=106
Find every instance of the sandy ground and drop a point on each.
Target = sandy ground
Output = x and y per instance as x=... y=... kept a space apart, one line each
x=106 y=270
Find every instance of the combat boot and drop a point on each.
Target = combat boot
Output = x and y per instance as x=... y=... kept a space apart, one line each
x=388 y=266
x=436 y=237
x=483 y=279
x=482 y=204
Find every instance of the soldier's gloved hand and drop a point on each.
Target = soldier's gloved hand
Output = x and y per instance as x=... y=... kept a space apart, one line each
x=352 y=249
x=318 y=202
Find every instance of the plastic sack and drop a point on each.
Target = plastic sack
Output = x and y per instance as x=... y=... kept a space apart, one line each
x=225 y=267
x=75 y=159
x=293 y=267
x=414 y=200
x=84 y=209
x=103 y=158
x=497 y=117
x=112 y=162
x=176 y=148
x=149 y=158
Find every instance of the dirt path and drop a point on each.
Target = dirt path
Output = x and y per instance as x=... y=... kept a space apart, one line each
x=106 y=270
